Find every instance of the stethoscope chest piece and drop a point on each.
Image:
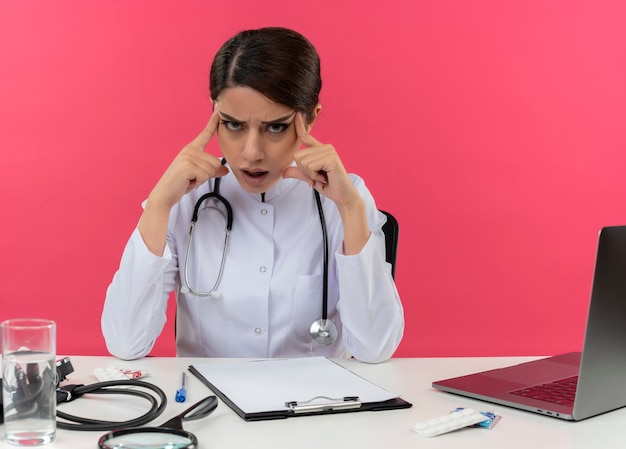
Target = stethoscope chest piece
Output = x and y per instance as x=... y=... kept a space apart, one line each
x=323 y=332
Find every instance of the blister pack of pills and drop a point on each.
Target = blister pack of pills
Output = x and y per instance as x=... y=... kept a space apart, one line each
x=492 y=419
x=114 y=373
x=448 y=423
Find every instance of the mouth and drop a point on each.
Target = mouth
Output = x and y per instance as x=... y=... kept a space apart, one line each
x=254 y=177
x=254 y=173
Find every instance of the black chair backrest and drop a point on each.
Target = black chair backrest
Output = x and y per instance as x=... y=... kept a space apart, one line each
x=392 y=230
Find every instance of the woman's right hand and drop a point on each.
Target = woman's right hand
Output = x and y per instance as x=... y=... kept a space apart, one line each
x=191 y=168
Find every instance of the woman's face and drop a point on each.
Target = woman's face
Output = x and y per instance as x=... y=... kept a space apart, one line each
x=257 y=137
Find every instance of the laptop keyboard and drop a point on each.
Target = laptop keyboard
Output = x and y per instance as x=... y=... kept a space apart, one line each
x=560 y=391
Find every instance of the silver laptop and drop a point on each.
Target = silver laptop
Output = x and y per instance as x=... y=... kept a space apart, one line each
x=593 y=381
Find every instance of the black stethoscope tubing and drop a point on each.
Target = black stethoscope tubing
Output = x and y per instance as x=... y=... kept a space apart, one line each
x=320 y=210
x=157 y=405
x=229 y=225
x=322 y=331
x=215 y=194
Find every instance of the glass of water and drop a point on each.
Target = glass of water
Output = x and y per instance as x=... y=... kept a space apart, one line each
x=29 y=381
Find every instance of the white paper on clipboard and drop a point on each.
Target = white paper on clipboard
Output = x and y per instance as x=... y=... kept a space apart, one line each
x=267 y=385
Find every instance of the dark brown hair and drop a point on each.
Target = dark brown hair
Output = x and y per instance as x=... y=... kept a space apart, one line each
x=279 y=63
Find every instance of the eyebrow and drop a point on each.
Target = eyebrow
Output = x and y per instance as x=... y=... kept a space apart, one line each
x=278 y=120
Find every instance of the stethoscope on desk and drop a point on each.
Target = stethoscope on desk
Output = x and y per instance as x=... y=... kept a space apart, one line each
x=322 y=331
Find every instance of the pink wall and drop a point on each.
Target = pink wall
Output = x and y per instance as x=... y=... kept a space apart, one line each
x=493 y=130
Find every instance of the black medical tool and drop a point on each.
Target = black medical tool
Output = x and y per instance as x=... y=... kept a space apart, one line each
x=322 y=331
x=67 y=393
x=169 y=435
x=122 y=434
x=194 y=218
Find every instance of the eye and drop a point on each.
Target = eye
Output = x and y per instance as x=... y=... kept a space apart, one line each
x=232 y=126
x=277 y=128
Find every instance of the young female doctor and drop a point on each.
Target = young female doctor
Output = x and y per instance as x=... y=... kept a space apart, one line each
x=267 y=287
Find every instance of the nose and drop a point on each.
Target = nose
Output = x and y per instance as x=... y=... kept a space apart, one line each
x=253 y=147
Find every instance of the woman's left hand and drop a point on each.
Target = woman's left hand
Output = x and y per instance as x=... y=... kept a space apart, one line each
x=319 y=165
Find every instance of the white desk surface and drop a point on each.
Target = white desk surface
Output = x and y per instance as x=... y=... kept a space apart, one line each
x=411 y=378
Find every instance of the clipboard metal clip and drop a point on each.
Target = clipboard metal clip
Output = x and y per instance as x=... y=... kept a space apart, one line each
x=315 y=405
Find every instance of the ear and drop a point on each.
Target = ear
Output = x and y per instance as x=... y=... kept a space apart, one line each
x=314 y=115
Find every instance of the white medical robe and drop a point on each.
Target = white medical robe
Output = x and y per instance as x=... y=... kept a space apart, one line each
x=271 y=289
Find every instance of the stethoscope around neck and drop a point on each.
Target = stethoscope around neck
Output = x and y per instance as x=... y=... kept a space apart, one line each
x=322 y=331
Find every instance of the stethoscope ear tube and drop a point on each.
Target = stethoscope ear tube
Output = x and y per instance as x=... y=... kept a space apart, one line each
x=215 y=194
x=187 y=288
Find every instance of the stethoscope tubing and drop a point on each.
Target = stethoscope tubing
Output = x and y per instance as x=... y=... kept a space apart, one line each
x=157 y=405
x=229 y=225
x=320 y=210
x=323 y=325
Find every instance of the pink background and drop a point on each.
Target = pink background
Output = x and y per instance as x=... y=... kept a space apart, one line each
x=493 y=130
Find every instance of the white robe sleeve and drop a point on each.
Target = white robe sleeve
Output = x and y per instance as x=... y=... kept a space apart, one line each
x=370 y=307
x=135 y=307
x=369 y=304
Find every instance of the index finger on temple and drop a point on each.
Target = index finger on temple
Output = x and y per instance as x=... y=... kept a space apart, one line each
x=303 y=134
x=207 y=133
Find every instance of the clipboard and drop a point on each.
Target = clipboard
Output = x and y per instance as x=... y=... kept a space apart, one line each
x=283 y=388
